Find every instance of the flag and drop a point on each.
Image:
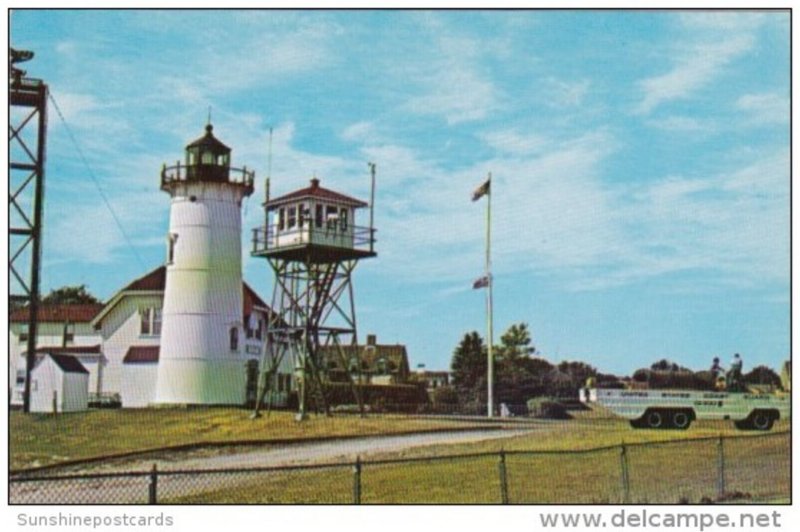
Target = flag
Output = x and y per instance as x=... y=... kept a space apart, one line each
x=481 y=282
x=482 y=190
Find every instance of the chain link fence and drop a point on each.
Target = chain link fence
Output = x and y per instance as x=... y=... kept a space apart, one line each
x=706 y=470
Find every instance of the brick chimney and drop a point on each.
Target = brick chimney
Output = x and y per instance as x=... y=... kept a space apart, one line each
x=371 y=340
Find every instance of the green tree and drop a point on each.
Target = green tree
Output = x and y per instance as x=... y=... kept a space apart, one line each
x=516 y=343
x=468 y=366
x=762 y=375
x=69 y=295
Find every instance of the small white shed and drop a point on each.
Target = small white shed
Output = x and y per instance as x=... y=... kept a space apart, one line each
x=59 y=382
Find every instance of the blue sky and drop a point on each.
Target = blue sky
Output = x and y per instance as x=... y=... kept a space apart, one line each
x=640 y=160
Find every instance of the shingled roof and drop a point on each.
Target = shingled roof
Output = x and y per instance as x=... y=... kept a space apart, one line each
x=141 y=354
x=68 y=364
x=156 y=281
x=317 y=192
x=59 y=313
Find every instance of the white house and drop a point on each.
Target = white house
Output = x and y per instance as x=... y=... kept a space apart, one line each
x=62 y=329
x=60 y=383
x=118 y=343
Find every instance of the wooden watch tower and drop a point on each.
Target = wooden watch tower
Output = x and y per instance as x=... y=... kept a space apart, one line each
x=312 y=243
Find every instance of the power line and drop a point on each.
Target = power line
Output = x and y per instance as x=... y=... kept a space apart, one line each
x=97 y=183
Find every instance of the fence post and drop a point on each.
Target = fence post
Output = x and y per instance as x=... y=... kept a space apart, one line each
x=720 y=468
x=152 y=497
x=357 y=481
x=626 y=483
x=501 y=468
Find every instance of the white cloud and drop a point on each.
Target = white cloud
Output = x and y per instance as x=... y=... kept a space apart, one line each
x=360 y=131
x=567 y=93
x=453 y=84
x=685 y=124
x=765 y=108
x=458 y=93
x=515 y=143
x=694 y=69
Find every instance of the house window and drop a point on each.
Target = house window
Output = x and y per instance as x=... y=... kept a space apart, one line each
x=69 y=333
x=301 y=214
x=144 y=316
x=156 y=322
x=318 y=215
x=292 y=218
x=382 y=367
x=150 y=321
x=343 y=219
x=23 y=333
x=260 y=329
x=234 y=339
x=20 y=376
x=281 y=218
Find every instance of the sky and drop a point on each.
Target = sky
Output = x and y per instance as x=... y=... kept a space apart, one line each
x=640 y=163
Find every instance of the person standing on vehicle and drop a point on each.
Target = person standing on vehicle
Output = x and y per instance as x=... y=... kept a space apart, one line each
x=717 y=372
x=735 y=373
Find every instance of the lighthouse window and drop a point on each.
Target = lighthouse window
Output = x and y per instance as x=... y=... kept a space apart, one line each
x=234 y=339
x=292 y=218
x=343 y=219
x=318 y=217
x=191 y=158
x=171 y=247
x=207 y=158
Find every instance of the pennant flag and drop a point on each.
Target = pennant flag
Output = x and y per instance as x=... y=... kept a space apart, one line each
x=482 y=190
x=481 y=282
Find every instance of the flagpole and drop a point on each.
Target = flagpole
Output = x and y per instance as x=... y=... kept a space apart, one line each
x=490 y=361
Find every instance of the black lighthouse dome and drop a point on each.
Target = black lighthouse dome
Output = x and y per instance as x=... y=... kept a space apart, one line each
x=207 y=160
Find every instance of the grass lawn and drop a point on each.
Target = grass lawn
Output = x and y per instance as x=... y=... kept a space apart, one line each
x=684 y=469
x=39 y=439
x=675 y=466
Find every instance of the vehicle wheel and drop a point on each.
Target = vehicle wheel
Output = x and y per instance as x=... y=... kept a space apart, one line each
x=681 y=420
x=654 y=419
x=743 y=424
x=762 y=420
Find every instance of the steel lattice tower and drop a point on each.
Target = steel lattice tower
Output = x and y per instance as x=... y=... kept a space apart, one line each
x=312 y=247
x=27 y=131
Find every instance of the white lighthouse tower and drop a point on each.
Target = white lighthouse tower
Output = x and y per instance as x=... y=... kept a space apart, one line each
x=201 y=358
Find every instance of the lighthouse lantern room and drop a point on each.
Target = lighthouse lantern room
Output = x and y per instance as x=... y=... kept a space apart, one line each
x=201 y=359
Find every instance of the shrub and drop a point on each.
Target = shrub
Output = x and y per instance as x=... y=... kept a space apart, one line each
x=382 y=398
x=546 y=408
x=444 y=395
